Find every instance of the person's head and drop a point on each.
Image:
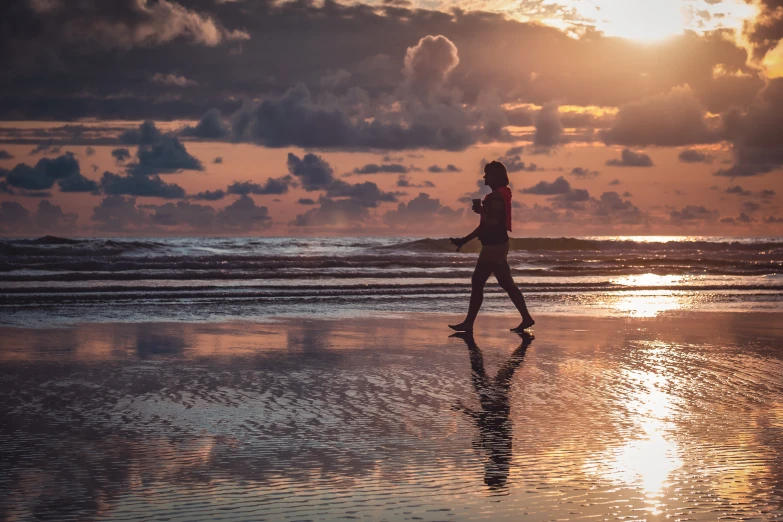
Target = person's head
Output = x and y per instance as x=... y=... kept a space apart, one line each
x=495 y=175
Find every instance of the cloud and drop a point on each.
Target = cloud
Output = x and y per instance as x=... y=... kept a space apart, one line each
x=767 y=193
x=62 y=169
x=210 y=195
x=615 y=182
x=244 y=214
x=756 y=133
x=52 y=217
x=581 y=172
x=405 y=182
x=167 y=155
x=122 y=24
x=212 y=126
x=513 y=161
x=313 y=171
x=306 y=201
x=421 y=211
x=549 y=130
x=342 y=213
x=146 y=134
x=436 y=169
x=172 y=79
x=184 y=213
x=120 y=155
x=373 y=168
x=5 y=155
x=118 y=213
x=695 y=156
x=765 y=32
x=630 y=158
x=670 y=120
x=544 y=188
x=691 y=214
x=427 y=65
x=738 y=190
x=89 y=151
x=365 y=194
x=140 y=185
x=13 y=216
x=218 y=160
x=272 y=186
x=46 y=147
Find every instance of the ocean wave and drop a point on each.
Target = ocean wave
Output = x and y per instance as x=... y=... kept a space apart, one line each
x=534 y=244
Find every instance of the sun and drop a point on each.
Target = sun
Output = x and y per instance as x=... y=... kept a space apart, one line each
x=640 y=20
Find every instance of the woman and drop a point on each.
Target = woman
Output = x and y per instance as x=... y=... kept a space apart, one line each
x=493 y=233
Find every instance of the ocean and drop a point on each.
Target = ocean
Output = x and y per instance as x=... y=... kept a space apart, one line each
x=53 y=280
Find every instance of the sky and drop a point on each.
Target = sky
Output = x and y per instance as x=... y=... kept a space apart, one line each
x=243 y=117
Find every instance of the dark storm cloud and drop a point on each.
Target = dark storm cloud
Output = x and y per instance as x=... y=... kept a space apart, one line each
x=545 y=188
x=53 y=57
x=420 y=211
x=52 y=217
x=5 y=155
x=296 y=119
x=120 y=155
x=374 y=168
x=437 y=169
x=31 y=27
x=140 y=185
x=629 y=158
x=756 y=134
x=271 y=186
x=313 y=171
x=695 y=156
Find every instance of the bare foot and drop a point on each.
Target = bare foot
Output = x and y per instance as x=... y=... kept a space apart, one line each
x=462 y=327
x=524 y=325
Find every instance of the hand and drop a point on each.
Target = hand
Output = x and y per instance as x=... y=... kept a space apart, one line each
x=459 y=242
x=477 y=207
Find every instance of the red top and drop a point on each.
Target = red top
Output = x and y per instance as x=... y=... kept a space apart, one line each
x=505 y=192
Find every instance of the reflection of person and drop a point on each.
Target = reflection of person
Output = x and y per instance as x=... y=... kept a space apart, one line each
x=495 y=435
x=493 y=233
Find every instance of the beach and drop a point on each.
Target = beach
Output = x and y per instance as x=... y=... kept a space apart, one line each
x=672 y=416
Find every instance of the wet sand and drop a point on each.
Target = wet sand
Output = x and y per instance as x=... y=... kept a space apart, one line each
x=676 y=417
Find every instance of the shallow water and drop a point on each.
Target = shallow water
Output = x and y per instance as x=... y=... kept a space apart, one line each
x=678 y=417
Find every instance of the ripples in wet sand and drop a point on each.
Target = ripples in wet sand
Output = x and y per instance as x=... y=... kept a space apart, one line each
x=676 y=417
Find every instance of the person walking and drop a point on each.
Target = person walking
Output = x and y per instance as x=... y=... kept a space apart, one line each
x=493 y=229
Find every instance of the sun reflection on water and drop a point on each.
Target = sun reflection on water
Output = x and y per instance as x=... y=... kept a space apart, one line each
x=650 y=454
x=649 y=305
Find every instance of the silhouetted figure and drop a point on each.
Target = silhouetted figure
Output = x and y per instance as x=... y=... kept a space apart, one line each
x=495 y=430
x=493 y=233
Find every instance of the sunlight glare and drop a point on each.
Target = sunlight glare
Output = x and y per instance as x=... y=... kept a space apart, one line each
x=642 y=21
x=647 y=305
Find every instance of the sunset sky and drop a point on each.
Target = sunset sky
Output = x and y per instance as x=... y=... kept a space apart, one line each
x=134 y=117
